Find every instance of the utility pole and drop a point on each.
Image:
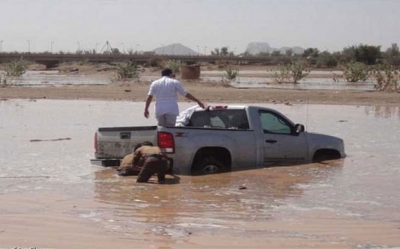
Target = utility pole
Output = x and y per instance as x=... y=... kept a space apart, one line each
x=51 y=47
x=29 y=46
x=1 y=46
x=137 y=46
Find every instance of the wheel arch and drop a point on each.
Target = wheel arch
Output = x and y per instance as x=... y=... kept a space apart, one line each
x=220 y=153
x=325 y=154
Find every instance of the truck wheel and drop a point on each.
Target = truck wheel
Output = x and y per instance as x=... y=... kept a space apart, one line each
x=325 y=155
x=209 y=165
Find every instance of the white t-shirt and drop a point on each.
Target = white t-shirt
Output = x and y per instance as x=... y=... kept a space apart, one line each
x=164 y=90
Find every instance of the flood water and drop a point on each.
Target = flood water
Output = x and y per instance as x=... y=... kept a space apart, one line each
x=55 y=78
x=244 y=80
x=46 y=146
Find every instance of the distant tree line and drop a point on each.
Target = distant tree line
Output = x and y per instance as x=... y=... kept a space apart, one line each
x=366 y=54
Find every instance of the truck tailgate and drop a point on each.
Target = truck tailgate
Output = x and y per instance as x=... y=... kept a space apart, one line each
x=117 y=142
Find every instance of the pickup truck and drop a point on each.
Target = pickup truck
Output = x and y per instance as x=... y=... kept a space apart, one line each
x=222 y=138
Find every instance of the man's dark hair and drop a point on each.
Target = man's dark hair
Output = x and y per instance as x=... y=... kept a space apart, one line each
x=166 y=72
x=137 y=146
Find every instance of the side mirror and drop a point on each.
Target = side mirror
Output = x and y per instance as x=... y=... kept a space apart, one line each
x=299 y=128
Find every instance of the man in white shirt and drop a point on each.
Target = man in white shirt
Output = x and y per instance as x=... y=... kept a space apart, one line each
x=165 y=91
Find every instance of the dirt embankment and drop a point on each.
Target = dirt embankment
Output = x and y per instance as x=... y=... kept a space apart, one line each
x=207 y=93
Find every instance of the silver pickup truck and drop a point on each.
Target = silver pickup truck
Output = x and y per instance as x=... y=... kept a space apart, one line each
x=221 y=139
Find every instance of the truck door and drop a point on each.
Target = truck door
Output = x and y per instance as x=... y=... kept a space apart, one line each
x=282 y=145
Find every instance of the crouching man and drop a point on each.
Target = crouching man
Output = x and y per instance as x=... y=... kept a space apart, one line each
x=127 y=167
x=154 y=162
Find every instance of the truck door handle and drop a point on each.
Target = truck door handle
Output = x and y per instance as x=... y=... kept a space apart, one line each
x=125 y=135
x=271 y=141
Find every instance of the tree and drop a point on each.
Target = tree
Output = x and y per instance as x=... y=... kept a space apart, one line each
x=362 y=53
x=224 y=51
x=276 y=53
x=289 y=52
x=311 y=54
x=326 y=60
x=392 y=55
x=215 y=52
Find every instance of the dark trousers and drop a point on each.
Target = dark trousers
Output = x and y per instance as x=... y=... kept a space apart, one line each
x=153 y=165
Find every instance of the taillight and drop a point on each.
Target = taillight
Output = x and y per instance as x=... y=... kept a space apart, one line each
x=95 y=142
x=166 y=142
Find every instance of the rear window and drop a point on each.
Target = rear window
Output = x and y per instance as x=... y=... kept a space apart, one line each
x=225 y=119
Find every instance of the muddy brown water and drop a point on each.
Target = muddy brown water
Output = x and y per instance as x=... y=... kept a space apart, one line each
x=52 y=197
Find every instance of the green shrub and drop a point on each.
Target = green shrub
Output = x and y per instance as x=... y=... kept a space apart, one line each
x=386 y=78
x=231 y=73
x=291 y=73
x=3 y=80
x=355 y=71
x=174 y=65
x=16 y=68
x=127 y=70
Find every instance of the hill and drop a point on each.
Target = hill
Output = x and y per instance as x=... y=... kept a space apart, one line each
x=175 y=49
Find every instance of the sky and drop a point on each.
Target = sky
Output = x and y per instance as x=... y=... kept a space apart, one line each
x=202 y=25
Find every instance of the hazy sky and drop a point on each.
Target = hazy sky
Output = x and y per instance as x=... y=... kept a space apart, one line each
x=199 y=24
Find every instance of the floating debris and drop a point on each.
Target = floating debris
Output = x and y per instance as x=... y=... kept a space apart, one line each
x=52 y=140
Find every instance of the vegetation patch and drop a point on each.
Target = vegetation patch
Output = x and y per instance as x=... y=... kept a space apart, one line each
x=291 y=73
x=174 y=65
x=127 y=70
x=16 y=68
x=387 y=78
x=231 y=73
x=355 y=71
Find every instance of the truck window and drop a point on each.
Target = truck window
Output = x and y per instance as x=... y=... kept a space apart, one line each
x=200 y=119
x=273 y=123
x=226 y=119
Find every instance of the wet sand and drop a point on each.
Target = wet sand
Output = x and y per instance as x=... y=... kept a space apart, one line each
x=51 y=197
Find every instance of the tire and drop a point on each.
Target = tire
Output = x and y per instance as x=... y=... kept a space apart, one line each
x=209 y=165
x=321 y=156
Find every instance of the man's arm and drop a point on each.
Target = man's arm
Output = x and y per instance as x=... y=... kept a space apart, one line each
x=193 y=98
x=146 y=108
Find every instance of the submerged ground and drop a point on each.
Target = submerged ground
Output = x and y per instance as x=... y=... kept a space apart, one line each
x=53 y=198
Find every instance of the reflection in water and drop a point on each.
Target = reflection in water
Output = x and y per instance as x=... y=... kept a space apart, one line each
x=383 y=111
x=307 y=83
